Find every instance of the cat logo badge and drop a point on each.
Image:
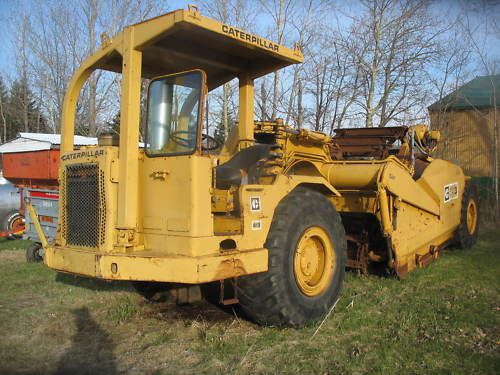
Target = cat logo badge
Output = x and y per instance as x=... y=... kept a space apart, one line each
x=254 y=204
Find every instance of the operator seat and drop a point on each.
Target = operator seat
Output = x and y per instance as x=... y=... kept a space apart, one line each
x=240 y=165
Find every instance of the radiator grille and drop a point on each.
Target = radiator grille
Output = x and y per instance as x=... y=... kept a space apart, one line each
x=85 y=205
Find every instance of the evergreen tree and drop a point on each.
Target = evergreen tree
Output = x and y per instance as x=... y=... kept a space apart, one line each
x=23 y=112
x=15 y=108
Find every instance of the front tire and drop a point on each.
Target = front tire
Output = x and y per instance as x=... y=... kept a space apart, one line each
x=33 y=253
x=307 y=257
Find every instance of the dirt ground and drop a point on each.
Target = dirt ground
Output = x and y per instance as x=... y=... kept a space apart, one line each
x=441 y=319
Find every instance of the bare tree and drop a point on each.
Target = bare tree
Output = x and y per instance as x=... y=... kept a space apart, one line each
x=57 y=37
x=333 y=79
x=4 y=120
x=378 y=63
x=300 y=109
x=347 y=83
x=102 y=88
x=447 y=72
x=237 y=13
x=53 y=55
x=261 y=99
x=399 y=38
x=307 y=29
x=281 y=12
x=450 y=69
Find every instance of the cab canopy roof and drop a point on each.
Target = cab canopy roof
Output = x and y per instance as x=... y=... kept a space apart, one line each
x=184 y=40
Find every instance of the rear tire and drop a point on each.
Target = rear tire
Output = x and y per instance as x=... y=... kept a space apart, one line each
x=307 y=257
x=33 y=253
x=466 y=235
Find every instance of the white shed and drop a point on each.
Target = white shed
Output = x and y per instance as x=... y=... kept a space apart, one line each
x=41 y=141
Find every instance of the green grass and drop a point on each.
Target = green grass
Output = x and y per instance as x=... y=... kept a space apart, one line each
x=443 y=319
x=122 y=310
x=6 y=244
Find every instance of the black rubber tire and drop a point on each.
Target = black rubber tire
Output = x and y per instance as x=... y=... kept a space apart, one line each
x=273 y=297
x=463 y=238
x=33 y=253
x=8 y=221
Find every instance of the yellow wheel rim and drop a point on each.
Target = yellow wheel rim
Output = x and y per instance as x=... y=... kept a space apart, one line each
x=314 y=260
x=471 y=216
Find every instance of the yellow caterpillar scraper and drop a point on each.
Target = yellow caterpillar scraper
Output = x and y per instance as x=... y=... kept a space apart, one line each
x=276 y=213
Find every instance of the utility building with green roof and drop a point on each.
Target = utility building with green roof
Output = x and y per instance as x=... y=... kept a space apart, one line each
x=466 y=119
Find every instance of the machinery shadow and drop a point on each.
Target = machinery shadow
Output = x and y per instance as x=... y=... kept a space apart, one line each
x=92 y=283
x=91 y=350
x=378 y=270
x=164 y=307
x=206 y=310
x=202 y=311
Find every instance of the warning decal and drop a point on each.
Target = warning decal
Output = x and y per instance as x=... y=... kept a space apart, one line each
x=256 y=224
x=450 y=192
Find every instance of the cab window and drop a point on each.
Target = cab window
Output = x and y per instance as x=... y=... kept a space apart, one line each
x=173 y=114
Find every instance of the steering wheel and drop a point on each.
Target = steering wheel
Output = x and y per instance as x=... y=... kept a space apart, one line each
x=209 y=143
x=183 y=137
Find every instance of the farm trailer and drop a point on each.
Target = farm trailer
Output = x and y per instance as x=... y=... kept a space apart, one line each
x=30 y=162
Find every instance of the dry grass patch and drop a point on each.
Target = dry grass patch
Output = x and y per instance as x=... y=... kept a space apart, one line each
x=442 y=319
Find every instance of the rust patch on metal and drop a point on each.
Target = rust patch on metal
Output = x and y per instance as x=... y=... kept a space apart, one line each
x=357 y=253
x=365 y=142
x=401 y=269
x=426 y=259
x=233 y=292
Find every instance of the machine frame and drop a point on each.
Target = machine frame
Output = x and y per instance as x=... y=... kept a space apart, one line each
x=204 y=216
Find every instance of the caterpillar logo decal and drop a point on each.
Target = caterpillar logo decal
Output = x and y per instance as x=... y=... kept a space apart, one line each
x=254 y=39
x=83 y=154
x=450 y=192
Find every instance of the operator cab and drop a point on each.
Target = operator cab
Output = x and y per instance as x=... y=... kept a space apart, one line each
x=185 y=55
x=174 y=122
